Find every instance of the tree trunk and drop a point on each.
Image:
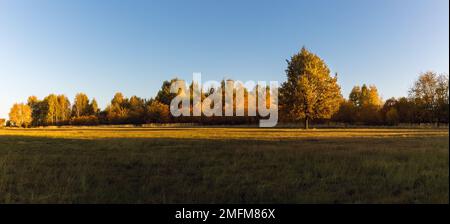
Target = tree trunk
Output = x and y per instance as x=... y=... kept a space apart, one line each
x=306 y=123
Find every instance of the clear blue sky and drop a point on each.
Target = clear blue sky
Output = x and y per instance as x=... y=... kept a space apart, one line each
x=100 y=47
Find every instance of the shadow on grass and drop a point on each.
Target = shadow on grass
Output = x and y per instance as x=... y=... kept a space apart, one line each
x=170 y=170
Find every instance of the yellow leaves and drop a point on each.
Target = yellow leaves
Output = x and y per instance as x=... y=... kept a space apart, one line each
x=310 y=91
x=20 y=115
x=365 y=96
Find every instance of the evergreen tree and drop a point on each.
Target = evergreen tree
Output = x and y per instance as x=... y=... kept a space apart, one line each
x=93 y=107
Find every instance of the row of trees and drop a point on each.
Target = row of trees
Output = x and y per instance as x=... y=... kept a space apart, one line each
x=427 y=102
x=310 y=93
x=57 y=110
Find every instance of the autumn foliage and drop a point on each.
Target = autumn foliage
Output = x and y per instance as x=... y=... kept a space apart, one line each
x=310 y=94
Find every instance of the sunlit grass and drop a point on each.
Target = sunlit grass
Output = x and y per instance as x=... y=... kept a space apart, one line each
x=221 y=133
x=223 y=165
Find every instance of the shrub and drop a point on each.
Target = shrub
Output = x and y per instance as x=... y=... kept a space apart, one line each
x=84 y=120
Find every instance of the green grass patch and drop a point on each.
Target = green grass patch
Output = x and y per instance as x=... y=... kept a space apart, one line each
x=223 y=165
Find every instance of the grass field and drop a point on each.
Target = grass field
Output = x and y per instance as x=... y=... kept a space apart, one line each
x=223 y=165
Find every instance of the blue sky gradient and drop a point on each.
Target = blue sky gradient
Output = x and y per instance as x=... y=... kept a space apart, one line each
x=101 y=47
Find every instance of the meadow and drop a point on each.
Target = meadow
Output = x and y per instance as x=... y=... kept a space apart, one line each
x=223 y=165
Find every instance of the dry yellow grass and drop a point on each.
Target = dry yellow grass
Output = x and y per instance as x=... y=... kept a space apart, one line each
x=220 y=133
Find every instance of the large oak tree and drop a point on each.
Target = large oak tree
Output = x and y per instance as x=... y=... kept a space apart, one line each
x=310 y=92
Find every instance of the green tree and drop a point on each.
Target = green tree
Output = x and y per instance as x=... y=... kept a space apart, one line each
x=355 y=96
x=118 y=110
x=364 y=96
x=389 y=112
x=442 y=101
x=119 y=99
x=37 y=108
x=392 y=116
x=164 y=96
x=52 y=110
x=93 y=107
x=137 y=110
x=157 y=112
x=406 y=110
x=309 y=92
x=347 y=112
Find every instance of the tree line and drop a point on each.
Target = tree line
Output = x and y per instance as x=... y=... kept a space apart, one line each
x=310 y=94
x=427 y=102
